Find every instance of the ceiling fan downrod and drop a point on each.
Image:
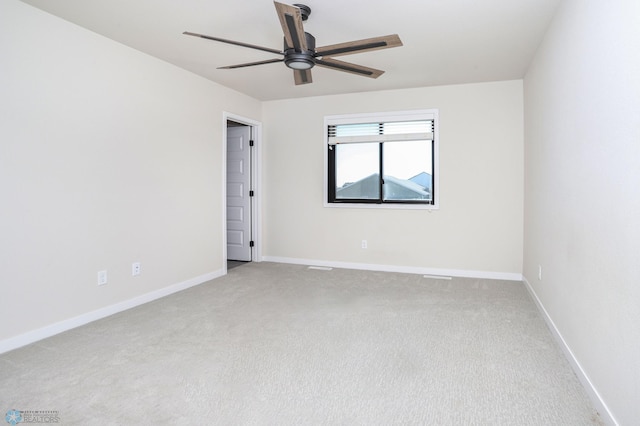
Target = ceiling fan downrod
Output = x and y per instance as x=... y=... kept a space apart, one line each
x=304 y=10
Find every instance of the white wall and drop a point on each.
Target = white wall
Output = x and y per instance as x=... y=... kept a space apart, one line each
x=582 y=197
x=107 y=156
x=479 y=224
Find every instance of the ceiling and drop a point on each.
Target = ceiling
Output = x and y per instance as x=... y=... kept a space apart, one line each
x=444 y=42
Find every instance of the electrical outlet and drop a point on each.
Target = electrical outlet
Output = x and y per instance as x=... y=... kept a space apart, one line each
x=135 y=269
x=102 y=277
x=364 y=244
x=540 y=272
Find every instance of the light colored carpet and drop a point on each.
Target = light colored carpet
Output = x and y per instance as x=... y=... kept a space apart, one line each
x=275 y=344
x=234 y=264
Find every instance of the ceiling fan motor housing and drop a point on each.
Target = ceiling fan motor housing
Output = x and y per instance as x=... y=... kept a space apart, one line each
x=301 y=60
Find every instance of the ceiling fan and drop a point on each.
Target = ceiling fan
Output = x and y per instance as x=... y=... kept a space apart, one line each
x=300 y=52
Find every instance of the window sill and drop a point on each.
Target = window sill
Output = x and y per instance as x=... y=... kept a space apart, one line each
x=382 y=206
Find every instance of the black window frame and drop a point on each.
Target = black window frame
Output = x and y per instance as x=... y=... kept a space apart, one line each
x=331 y=189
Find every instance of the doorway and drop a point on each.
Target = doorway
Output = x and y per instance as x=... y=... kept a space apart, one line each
x=241 y=207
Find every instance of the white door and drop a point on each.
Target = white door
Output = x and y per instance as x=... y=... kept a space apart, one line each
x=238 y=199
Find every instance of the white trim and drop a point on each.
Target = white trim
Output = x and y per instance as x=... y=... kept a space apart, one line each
x=509 y=276
x=594 y=395
x=68 y=324
x=256 y=183
x=372 y=117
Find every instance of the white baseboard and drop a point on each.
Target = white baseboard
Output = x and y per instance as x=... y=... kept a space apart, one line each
x=594 y=395
x=53 y=329
x=510 y=276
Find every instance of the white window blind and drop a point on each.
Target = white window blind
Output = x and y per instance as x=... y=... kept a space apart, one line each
x=388 y=131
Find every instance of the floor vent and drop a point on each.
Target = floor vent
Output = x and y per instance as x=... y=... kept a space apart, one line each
x=321 y=268
x=437 y=277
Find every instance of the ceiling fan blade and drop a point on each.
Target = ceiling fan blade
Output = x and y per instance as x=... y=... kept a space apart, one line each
x=302 y=77
x=250 y=64
x=291 y=21
x=360 y=46
x=348 y=67
x=237 y=43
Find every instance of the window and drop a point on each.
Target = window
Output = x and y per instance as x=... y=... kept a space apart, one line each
x=387 y=159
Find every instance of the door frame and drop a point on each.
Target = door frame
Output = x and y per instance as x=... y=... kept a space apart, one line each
x=256 y=200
